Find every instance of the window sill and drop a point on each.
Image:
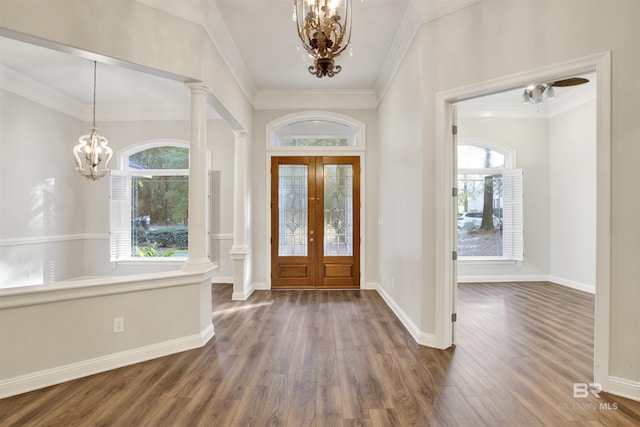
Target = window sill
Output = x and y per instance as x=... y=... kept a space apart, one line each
x=479 y=260
x=151 y=260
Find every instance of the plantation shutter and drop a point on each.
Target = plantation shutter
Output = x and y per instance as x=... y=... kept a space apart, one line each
x=120 y=244
x=512 y=220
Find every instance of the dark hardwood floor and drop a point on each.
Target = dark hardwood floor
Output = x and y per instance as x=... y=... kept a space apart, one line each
x=341 y=358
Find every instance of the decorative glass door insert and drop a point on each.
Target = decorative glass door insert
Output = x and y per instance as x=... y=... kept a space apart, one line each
x=315 y=222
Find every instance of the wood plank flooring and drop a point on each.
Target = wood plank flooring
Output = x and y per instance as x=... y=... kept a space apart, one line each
x=341 y=358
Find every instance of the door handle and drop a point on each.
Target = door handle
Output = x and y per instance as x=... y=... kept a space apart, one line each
x=311 y=240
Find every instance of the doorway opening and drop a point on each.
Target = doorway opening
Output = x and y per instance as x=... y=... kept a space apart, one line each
x=315 y=222
x=446 y=133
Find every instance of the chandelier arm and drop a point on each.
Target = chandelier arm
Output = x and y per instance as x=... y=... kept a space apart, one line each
x=323 y=33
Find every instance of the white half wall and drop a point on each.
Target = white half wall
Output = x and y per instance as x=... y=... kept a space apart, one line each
x=55 y=333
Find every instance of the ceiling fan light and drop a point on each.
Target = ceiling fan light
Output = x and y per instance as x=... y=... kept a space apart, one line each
x=550 y=93
x=537 y=94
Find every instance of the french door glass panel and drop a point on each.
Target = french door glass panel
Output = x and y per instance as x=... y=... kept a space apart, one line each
x=338 y=210
x=293 y=210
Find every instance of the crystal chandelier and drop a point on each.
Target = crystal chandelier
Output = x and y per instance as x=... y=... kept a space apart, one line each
x=93 y=147
x=323 y=32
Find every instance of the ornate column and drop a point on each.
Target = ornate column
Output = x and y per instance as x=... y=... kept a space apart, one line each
x=240 y=251
x=198 y=197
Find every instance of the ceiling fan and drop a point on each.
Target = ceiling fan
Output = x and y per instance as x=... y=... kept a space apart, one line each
x=535 y=94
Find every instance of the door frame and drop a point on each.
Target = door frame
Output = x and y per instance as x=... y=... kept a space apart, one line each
x=314 y=153
x=316 y=257
x=446 y=277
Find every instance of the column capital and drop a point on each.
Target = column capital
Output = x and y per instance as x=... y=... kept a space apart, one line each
x=195 y=87
x=240 y=134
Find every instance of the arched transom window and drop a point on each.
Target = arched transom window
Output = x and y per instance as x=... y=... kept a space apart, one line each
x=317 y=130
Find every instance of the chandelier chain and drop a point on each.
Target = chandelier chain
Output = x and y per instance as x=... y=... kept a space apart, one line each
x=95 y=65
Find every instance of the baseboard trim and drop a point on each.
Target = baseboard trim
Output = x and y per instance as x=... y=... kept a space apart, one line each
x=573 y=284
x=370 y=286
x=260 y=286
x=206 y=335
x=624 y=388
x=502 y=278
x=49 y=377
x=529 y=278
x=244 y=295
x=419 y=336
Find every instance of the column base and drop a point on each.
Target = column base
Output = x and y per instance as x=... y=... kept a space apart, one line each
x=203 y=265
x=242 y=286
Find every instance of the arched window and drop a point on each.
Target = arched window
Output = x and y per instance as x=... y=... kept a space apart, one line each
x=149 y=202
x=490 y=222
x=316 y=130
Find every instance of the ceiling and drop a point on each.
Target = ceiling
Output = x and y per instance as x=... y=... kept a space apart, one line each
x=262 y=35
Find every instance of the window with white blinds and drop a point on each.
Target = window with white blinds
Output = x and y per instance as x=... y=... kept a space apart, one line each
x=512 y=221
x=149 y=203
x=490 y=203
x=120 y=245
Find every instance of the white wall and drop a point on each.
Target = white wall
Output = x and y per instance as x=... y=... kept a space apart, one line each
x=401 y=191
x=261 y=178
x=572 y=193
x=41 y=195
x=491 y=39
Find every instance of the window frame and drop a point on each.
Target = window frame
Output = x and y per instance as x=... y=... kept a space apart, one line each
x=120 y=220
x=274 y=125
x=515 y=227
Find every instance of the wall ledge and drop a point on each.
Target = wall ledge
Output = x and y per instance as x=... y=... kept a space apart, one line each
x=95 y=287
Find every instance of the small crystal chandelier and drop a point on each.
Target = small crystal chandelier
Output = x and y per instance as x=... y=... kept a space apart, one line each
x=93 y=147
x=323 y=32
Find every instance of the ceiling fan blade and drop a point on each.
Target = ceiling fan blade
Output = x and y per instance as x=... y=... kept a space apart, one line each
x=572 y=81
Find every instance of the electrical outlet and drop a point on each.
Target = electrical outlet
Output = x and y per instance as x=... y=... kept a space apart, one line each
x=118 y=325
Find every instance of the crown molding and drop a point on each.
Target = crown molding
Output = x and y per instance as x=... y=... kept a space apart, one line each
x=417 y=14
x=401 y=42
x=317 y=99
x=207 y=14
x=543 y=111
x=187 y=10
x=215 y=26
x=28 y=88
x=571 y=100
